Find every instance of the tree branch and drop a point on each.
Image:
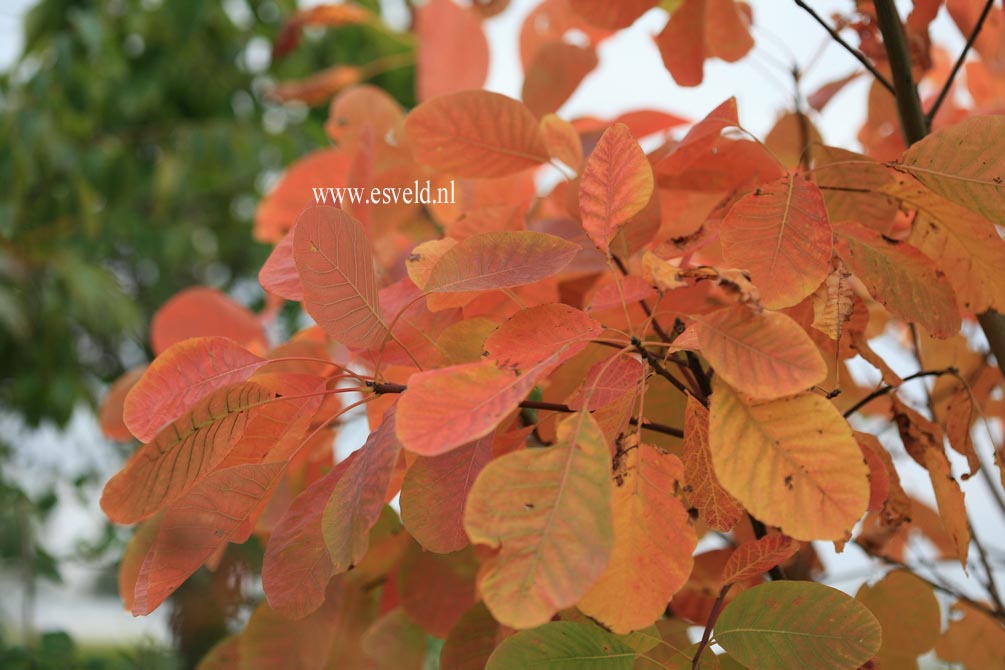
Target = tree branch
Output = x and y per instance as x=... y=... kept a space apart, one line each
x=959 y=63
x=912 y=119
x=645 y=424
x=859 y=56
x=886 y=389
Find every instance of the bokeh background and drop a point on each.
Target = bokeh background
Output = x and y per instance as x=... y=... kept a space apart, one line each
x=136 y=139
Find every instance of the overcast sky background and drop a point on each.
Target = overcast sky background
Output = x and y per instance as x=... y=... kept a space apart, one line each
x=631 y=76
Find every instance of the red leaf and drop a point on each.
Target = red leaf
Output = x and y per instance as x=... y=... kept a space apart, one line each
x=554 y=75
x=533 y=335
x=182 y=376
x=615 y=186
x=358 y=497
x=278 y=211
x=296 y=568
x=781 y=235
x=434 y=492
x=336 y=270
x=452 y=54
x=612 y=15
x=197 y=442
x=755 y=557
x=445 y=408
x=279 y=274
x=201 y=311
x=110 y=414
x=489 y=261
x=221 y=508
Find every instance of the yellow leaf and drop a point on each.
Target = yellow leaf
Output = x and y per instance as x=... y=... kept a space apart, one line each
x=653 y=541
x=766 y=355
x=792 y=462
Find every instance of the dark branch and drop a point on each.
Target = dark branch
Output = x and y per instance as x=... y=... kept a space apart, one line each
x=959 y=62
x=912 y=119
x=664 y=335
x=859 y=56
x=886 y=389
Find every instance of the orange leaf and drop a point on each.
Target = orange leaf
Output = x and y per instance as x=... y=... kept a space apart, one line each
x=331 y=15
x=717 y=508
x=132 y=560
x=555 y=332
x=653 y=541
x=336 y=271
x=617 y=183
x=434 y=492
x=181 y=377
x=699 y=139
x=200 y=439
x=475 y=134
x=279 y=274
x=317 y=89
x=879 y=476
x=278 y=211
x=903 y=279
x=563 y=141
x=612 y=15
x=792 y=462
x=111 y=413
x=358 y=497
x=907 y=609
x=701 y=29
x=201 y=311
x=924 y=442
x=554 y=75
x=965 y=246
x=452 y=53
x=977 y=640
x=219 y=509
x=959 y=418
x=765 y=355
x=548 y=512
x=780 y=234
x=550 y=21
x=296 y=568
x=488 y=261
x=755 y=557
x=445 y=408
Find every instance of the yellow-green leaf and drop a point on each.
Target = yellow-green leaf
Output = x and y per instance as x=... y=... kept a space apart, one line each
x=798 y=625
x=792 y=462
x=548 y=512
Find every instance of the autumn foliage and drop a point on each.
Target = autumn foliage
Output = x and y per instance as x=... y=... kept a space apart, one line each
x=566 y=390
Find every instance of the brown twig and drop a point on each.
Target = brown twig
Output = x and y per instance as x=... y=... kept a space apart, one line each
x=912 y=119
x=390 y=387
x=858 y=55
x=959 y=63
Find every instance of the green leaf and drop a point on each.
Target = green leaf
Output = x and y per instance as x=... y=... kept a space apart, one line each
x=798 y=625
x=562 y=645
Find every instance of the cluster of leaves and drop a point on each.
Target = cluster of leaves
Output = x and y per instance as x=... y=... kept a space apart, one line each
x=568 y=390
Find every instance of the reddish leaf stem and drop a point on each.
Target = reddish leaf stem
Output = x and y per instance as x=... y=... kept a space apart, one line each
x=713 y=616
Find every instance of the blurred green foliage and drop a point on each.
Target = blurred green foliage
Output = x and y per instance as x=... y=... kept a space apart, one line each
x=137 y=140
